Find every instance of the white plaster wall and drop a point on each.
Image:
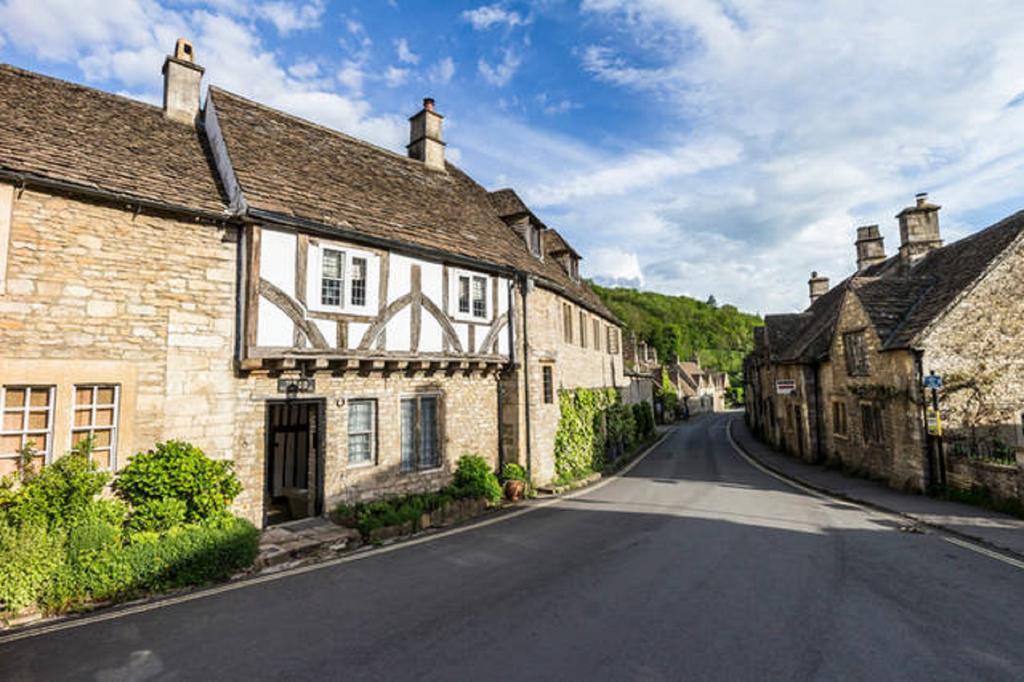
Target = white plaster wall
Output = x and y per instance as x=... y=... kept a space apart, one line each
x=462 y=331
x=329 y=328
x=277 y=260
x=399 y=271
x=355 y=333
x=398 y=336
x=430 y=334
x=274 y=328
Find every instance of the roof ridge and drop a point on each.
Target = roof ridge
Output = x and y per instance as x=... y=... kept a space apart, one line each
x=103 y=93
x=319 y=126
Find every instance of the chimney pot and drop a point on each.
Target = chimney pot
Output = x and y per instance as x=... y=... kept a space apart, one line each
x=428 y=103
x=922 y=198
x=919 y=230
x=817 y=286
x=182 y=78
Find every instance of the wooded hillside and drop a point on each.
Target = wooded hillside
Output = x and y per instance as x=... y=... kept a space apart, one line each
x=680 y=327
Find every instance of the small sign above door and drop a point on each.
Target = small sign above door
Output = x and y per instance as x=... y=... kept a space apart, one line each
x=785 y=386
x=294 y=386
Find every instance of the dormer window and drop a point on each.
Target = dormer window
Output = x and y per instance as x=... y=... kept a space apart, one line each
x=533 y=240
x=574 y=267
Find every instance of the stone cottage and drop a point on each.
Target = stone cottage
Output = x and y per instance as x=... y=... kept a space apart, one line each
x=340 y=321
x=844 y=380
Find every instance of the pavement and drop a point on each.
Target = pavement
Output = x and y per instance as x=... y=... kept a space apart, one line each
x=995 y=529
x=692 y=565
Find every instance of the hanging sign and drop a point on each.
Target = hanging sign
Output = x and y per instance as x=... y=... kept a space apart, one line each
x=934 y=422
x=933 y=381
x=293 y=386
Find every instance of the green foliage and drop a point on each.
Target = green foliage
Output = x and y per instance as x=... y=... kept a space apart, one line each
x=158 y=514
x=176 y=470
x=513 y=472
x=30 y=555
x=60 y=493
x=681 y=328
x=368 y=516
x=667 y=393
x=594 y=425
x=474 y=478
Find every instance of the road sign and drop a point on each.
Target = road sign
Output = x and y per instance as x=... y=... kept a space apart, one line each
x=934 y=422
x=933 y=381
x=785 y=386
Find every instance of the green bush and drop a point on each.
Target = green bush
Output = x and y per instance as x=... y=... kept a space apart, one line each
x=158 y=515
x=474 y=478
x=644 y=416
x=60 y=492
x=180 y=471
x=30 y=556
x=513 y=472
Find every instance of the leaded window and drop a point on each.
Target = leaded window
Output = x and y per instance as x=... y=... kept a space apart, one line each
x=856 y=353
x=421 y=447
x=362 y=427
x=480 y=297
x=332 y=277
x=464 y=294
x=549 y=383
x=358 y=281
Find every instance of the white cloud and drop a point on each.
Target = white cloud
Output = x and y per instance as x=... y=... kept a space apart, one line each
x=405 y=55
x=489 y=16
x=304 y=70
x=442 y=71
x=501 y=73
x=556 y=106
x=614 y=267
x=395 y=76
x=351 y=76
x=288 y=16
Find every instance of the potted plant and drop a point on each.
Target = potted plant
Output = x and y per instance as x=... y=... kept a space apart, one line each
x=514 y=477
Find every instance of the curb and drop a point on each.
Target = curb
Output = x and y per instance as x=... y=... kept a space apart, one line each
x=834 y=494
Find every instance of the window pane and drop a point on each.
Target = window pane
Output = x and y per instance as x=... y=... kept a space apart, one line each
x=463 y=294
x=83 y=417
x=359 y=448
x=105 y=416
x=479 y=297
x=14 y=397
x=360 y=416
x=330 y=292
x=9 y=445
x=40 y=397
x=358 y=281
x=332 y=264
x=38 y=421
x=102 y=458
x=8 y=466
x=13 y=421
x=105 y=395
x=40 y=441
x=102 y=438
x=428 y=433
x=78 y=436
x=408 y=434
x=331 y=274
x=83 y=396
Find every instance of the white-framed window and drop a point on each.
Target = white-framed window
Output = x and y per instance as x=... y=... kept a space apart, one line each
x=421 y=432
x=27 y=418
x=341 y=279
x=362 y=431
x=94 y=413
x=471 y=296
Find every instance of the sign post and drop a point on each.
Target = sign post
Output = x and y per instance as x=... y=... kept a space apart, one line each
x=933 y=417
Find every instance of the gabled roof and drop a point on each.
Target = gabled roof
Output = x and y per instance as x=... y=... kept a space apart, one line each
x=60 y=131
x=781 y=331
x=290 y=168
x=555 y=244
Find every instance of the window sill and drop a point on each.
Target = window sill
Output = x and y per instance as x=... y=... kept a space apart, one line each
x=431 y=470
x=361 y=465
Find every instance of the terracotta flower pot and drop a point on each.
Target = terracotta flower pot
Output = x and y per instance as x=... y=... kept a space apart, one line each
x=514 y=490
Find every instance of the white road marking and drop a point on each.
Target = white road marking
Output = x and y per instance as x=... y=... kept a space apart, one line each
x=976 y=548
x=358 y=556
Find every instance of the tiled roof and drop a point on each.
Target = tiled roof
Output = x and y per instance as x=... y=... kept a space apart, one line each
x=507 y=203
x=297 y=169
x=555 y=244
x=61 y=131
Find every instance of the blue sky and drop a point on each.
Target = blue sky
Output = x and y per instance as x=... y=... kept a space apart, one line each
x=695 y=147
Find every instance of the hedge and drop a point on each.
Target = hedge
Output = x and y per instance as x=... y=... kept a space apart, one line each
x=595 y=426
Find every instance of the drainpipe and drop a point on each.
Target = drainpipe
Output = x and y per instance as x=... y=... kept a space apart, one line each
x=818 y=419
x=930 y=471
x=527 y=283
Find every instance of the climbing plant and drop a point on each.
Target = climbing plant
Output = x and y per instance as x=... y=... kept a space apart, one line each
x=593 y=423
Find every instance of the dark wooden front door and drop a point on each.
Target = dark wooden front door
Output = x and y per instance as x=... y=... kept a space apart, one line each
x=294 y=453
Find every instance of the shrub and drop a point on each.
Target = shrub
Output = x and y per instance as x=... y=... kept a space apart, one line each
x=30 y=556
x=158 y=515
x=474 y=478
x=181 y=471
x=513 y=472
x=644 y=416
x=61 y=492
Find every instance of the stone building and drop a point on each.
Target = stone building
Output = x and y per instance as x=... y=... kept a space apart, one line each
x=340 y=321
x=843 y=380
x=567 y=339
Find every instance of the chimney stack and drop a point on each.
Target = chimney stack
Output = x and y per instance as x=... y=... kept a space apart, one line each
x=425 y=141
x=181 y=84
x=919 y=230
x=870 y=247
x=818 y=286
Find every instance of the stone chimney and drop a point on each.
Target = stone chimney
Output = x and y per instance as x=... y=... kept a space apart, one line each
x=181 y=84
x=919 y=230
x=870 y=247
x=425 y=141
x=818 y=286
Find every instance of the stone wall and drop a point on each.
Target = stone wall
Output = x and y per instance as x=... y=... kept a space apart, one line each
x=976 y=348
x=98 y=294
x=900 y=458
x=468 y=411
x=1005 y=482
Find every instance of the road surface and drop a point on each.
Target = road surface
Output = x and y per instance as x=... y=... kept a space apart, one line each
x=694 y=565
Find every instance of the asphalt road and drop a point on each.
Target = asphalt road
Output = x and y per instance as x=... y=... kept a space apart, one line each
x=695 y=565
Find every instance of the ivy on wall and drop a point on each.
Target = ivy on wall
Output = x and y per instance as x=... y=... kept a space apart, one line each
x=594 y=424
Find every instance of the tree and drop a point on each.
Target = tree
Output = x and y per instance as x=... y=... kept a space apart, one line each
x=712 y=302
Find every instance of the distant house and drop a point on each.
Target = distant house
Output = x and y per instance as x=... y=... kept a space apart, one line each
x=843 y=380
